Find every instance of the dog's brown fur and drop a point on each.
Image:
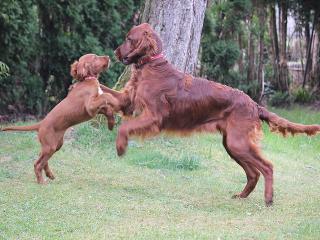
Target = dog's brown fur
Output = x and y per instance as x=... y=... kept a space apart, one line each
x=82 y=103
x=169 y=100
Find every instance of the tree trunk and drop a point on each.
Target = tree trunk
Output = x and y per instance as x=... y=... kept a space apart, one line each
x=179 y=24
x=251 y=54
x=315 y=59
x=274 y=45
x=308 y=38
x=283 y=66
x=306 y=75
x=315 y=72
x=240 y=60
x=261 y=14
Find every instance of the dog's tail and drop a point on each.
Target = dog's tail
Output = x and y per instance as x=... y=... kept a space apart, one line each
x=34 y=127
x=283 y=126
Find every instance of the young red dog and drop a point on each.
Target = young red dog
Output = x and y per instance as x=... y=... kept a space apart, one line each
x=170 y=100
x=83 y=102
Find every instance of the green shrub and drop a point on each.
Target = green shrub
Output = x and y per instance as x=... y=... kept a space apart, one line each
x=217 y=60
x=280 y=99
x=220 y=49
x=302 y=96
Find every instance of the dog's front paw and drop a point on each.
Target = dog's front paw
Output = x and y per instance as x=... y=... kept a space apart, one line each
x=121 y=150
x=269 y=203
x=111 y=123
x=121 y=145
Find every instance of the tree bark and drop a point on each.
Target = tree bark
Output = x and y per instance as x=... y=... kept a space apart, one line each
x=274 y=45
x=306 y=75
x=240 y=60
x=251 y=55
x=261 y=14
x=179 y=24
x=283 y=66
x=315 y=71
x=308 y=38
x=315 y=59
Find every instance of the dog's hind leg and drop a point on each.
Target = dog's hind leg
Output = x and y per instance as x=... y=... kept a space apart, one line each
x=266 y=168
x=251 y=172
x=46 y=153
x=242 y=147
x=47 y=170
x=51 y=141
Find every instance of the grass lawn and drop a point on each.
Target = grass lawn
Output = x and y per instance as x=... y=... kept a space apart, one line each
x=164 y=188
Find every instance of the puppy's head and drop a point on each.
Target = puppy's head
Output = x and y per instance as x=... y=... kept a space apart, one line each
x=89 y=65
x=141 y=41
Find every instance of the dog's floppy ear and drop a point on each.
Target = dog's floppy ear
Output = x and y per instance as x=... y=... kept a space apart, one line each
x=82 y=70
x=153 y=48
x=73 y=70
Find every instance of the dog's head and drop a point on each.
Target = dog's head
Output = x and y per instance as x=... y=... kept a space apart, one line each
x=141 y=41
x=89 y=65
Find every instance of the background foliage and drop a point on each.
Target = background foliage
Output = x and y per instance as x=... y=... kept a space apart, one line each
x=39 y=40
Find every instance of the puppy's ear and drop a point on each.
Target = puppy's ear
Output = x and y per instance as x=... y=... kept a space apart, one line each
x=73 y=69
x=83 y=70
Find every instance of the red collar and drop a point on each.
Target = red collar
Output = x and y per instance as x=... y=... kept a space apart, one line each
x=160 y=55
x=147 y=59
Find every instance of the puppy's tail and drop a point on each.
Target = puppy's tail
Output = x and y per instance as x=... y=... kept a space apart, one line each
x=34 y=127
x=283 y=126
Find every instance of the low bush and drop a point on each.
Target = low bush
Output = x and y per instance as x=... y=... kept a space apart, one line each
x=301 y=95
x=281 y=99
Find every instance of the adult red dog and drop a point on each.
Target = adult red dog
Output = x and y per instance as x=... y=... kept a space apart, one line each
x=169 y=100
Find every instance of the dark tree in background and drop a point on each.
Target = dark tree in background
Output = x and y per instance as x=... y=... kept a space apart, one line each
x=39 y=39
x=224 y=41
x=69 y=29
x=19 y=49
x=245 y=44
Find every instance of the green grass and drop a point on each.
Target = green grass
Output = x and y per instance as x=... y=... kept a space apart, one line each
x=164 y=188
